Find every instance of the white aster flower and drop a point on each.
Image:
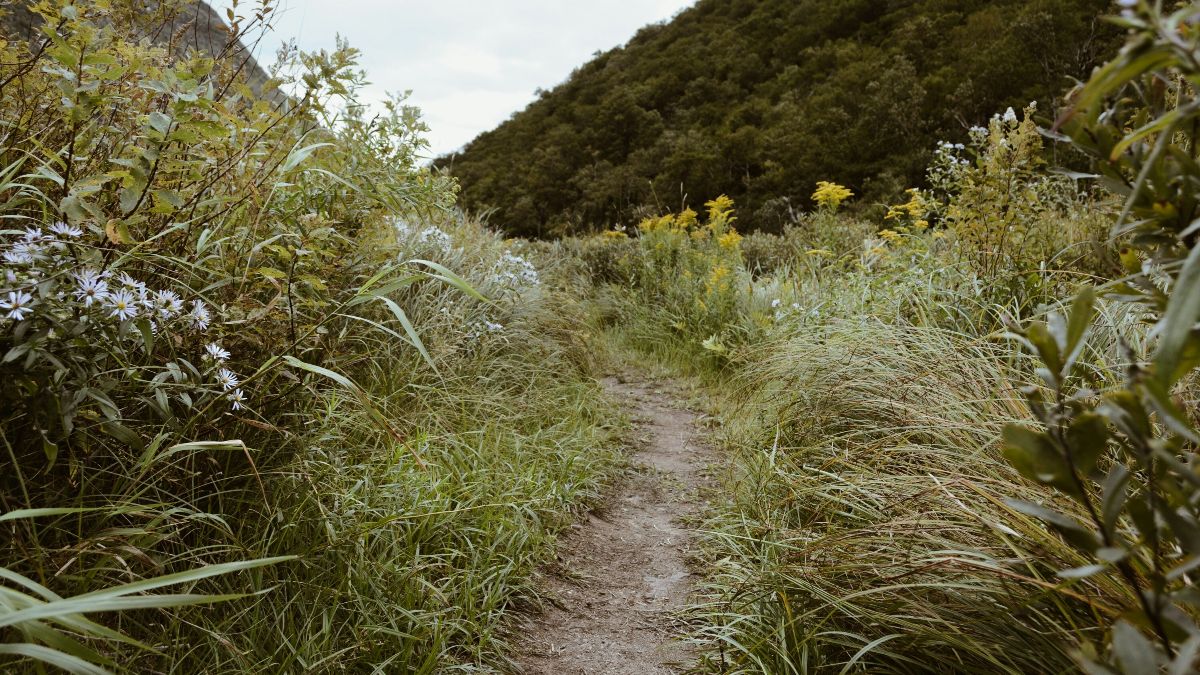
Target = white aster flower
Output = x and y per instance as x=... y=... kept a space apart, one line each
x=17 y=305
x=199 y=315
x=66 y=230
x=122 y=303
x=167 y=303
x=215 y=352
x=236 y=398
x=24 y=253
x=91 y=287
x=227 y=379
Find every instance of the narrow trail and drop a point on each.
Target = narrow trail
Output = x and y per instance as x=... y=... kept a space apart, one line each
x=622 y=573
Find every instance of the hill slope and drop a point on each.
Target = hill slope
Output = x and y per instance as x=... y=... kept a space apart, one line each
x=759 y=99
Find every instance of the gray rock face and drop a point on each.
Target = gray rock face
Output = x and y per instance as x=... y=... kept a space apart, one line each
x=196 y=26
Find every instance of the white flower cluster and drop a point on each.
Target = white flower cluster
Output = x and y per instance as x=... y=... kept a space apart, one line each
x=515 y=271
x=781 y=312
x=428 y=237
x=951 y=154
x=435 y=237
x=43 y=278
x=483 y=327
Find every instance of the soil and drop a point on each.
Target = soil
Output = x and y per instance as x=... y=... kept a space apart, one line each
x=622 y=573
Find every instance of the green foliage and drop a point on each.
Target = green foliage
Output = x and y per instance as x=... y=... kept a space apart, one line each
x=760 y=100
x=244 y=335
x=1126 y=452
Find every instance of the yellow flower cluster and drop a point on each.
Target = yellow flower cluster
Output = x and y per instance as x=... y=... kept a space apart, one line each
x=829 y=196
x=915 y=208
x=720 y=209
x=729 y=240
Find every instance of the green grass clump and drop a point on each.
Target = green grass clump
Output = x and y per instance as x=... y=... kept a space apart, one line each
x=867 y=527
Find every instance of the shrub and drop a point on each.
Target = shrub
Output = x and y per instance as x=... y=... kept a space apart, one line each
x=1125 y=453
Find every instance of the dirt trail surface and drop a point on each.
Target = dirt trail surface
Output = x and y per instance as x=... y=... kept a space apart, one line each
x=622 y=573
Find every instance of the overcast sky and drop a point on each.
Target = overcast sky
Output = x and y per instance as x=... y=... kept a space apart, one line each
x=469 y=63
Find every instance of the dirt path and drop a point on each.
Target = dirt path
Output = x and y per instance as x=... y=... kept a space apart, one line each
x=622 y=573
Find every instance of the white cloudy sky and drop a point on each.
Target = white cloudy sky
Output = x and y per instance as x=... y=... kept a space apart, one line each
x=469 y=63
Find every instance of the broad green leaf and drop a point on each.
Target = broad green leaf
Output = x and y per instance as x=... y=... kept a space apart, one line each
x=1179 y=322
x=1135 y=653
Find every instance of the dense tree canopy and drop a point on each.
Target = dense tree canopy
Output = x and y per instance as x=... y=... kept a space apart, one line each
x=760 y=99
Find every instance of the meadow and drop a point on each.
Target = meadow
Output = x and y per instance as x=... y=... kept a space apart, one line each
x=272 y=403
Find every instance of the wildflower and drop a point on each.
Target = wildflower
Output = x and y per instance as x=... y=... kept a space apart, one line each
x=167 y=303
x=199 y=315
x=776 y=303
x=17 y=305
x=829 y=196
x=227 y=379
x=22 y=253
x=719 y=207
x=91 y=287
x=122 y=304
x=729 y=240
x=236 y=398
x=1010 y=115
x=134 y=285
x=216 y=352
x=66 y=230
x=33 y=234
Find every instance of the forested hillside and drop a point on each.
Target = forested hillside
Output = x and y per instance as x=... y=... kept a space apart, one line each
x=759 y=99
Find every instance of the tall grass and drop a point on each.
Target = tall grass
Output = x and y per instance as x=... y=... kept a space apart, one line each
x=868 y=528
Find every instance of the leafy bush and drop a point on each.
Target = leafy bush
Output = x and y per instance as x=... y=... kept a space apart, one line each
x=241 y=330
x=1126 y=453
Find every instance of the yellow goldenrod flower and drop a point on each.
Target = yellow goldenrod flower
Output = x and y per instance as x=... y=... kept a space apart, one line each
x=719 y=207
x=729 y=240
x=829 y=196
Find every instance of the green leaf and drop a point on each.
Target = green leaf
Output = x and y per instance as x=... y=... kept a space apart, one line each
x=183 y=577
x=1033 y=454
x=1087 y=437
x=408 y=328
x=324 y=372
x=1083 y=311
x=298 y=155
x=1135 y=653
x=53 y=657
x=159 y=122
x=123 y=434
x=51 y=451
x=451 y=278
x=1113 y=495
x=1178 y=323
x=20 y=514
